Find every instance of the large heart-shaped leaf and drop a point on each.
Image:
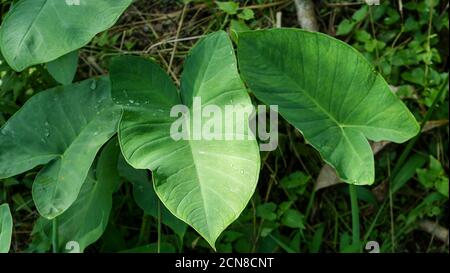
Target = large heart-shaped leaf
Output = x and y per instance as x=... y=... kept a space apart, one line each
x=65 y=126
x=39 y=31
x=86 y=219
x=206 y=183
x=328 y=91
x=6 y=226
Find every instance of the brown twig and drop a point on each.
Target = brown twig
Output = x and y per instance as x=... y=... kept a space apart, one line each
x=306 y=15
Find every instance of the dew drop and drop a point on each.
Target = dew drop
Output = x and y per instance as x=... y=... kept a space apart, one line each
x=46 y=124
x=242 y=172
x=93 y=85
x=131 y=101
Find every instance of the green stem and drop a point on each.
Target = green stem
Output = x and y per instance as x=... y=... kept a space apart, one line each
x=159 y=227
x=356 y=238
x=144 y=231
x=55 y=235
x=224 y=22
x=310 y=204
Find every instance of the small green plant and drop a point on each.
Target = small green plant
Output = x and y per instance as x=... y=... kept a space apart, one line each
x=434 y=177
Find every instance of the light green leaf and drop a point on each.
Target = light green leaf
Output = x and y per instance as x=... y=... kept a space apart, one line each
x=64 y=68
x=206 y=183
x=246 y=14
x=434 y=176
x=442 y=186
x=85 y=221
x=64 y=127
x=228 y=7
x=328 y=91
x=6 y=226
x=40 y=31
x=361 y=13
x=295 y=180
x=237 y=26
x=345 y=27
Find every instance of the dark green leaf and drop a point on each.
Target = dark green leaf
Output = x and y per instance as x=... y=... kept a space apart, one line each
x=206 y=183
x=40 y=31
x=63 y=127
x=328 y=91
x=64 y=68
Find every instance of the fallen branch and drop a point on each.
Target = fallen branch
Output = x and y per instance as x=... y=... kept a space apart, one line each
x=328 y=177
x=435 y=230
x=306 y=15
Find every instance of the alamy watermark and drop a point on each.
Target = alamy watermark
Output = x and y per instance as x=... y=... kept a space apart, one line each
x=229 y=122
x=73 y=2
x=373 y=2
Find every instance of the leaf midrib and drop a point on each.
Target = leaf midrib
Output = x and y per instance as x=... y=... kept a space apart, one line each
x=27 y=32
x=200 y=87
x=340 y=126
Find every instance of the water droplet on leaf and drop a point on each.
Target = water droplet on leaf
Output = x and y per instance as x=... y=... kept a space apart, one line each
x=93 y=85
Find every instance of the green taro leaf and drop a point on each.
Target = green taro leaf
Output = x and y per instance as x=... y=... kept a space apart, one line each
x=40 y=31
x=6 y=227
x=64 y=68
x=206 y=183
x=64 y=127
x=329 y=92
x=85 y=221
